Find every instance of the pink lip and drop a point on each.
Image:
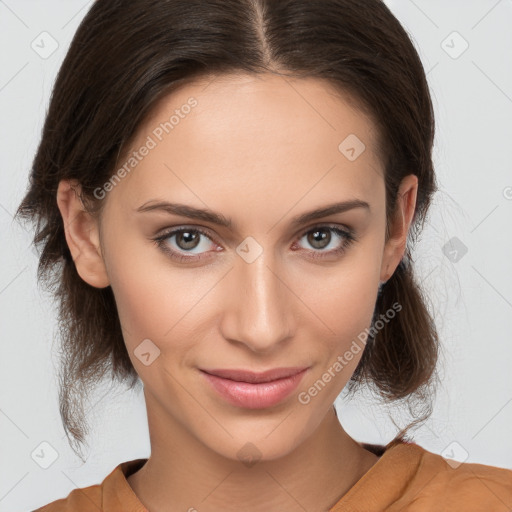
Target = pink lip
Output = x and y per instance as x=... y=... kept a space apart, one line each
x=255 y=390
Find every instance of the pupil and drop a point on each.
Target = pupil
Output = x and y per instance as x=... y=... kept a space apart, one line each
x=186 y=238
x=319 y=243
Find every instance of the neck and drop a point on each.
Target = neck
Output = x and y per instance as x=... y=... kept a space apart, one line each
x=183 y=474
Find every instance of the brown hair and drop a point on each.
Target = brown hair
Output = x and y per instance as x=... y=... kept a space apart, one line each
x=128 y=54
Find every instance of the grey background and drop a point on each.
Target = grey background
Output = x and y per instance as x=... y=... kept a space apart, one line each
x=463 y=259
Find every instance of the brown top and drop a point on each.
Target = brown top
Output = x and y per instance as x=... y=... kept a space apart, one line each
x=405 y=478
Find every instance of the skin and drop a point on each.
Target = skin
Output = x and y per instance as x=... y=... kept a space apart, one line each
x=259 y=150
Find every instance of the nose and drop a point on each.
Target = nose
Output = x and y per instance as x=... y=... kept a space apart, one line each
x=258 y=312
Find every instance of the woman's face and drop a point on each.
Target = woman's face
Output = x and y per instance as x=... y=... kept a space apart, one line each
x=264 y=289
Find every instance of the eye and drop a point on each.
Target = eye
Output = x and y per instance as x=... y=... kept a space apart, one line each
x=188 y=240
x=320 y=237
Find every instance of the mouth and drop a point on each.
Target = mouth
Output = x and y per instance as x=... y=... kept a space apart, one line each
x=255 y=377
x=251 y=390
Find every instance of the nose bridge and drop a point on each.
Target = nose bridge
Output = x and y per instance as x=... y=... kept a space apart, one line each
x=262 y=303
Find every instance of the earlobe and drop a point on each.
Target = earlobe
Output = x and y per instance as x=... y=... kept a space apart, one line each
x=397 y=242
x=82 y=235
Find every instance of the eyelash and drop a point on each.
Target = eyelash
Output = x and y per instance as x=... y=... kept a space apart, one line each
x=347 y=235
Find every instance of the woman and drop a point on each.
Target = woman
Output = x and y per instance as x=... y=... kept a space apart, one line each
x=225 y=191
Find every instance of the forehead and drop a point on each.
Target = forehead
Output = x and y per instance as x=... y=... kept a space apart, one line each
x=254 y=134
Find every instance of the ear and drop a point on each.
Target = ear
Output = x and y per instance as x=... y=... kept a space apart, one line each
x=82 y=235
x=395 y=247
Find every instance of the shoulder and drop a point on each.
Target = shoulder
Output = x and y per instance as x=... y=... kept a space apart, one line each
x=107 y=496
x=451 y=485
x=86 y=498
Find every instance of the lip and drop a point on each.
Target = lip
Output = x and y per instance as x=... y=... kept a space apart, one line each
x=255 y=377
x=251 y=390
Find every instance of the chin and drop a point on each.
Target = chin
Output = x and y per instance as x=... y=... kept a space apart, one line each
x=263 y=440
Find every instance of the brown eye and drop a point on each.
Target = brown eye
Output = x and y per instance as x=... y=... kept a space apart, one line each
x=187 y=239
x=319 y=238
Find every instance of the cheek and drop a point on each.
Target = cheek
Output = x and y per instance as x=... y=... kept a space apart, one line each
x=348 y=312
x=146 y=301
x=155 y=300
x=347 y=290
x=343 y=299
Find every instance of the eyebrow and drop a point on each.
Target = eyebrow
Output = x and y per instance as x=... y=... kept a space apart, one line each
x=219 y=219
